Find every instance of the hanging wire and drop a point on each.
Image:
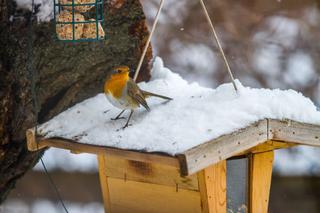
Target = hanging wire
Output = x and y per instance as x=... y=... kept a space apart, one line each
x=214 y=34
x=53 y=185
x=33 y=76
x=218 y=42
x=148 y=41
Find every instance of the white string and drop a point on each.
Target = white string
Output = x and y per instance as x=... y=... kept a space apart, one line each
x=148 y=41
x=219 y=45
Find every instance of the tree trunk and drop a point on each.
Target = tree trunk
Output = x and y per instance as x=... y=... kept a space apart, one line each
x=67 y=74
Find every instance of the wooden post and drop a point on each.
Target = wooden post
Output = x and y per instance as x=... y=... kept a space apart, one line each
x=212 y=186
x=104 y=183
x=260 y=181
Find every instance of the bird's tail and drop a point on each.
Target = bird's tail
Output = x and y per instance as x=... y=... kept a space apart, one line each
x=147 y=94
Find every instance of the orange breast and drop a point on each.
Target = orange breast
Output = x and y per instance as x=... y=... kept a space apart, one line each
x=116 y=84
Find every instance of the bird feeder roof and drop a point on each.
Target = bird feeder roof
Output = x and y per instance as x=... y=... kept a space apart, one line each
x=201 y=126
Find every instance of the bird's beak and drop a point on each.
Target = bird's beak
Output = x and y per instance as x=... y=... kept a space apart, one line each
x=131 y=70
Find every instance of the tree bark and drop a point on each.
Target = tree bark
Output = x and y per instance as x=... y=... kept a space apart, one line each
x=67 y=74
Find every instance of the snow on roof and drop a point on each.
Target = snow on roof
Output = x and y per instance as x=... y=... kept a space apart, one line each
x=196 y=115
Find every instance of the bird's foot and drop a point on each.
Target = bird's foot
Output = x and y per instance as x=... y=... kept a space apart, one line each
x=117 y=118
x=125 y=126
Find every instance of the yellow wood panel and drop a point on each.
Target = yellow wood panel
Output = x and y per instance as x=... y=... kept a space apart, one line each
x=149 y=172
x=104 y=183
x=260 y=181
x=137 y=197
x=212 y=185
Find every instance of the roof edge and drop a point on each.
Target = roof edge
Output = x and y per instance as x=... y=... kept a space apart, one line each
x=223 y=147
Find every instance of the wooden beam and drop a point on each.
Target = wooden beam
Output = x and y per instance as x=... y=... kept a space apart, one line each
x=267 y=146
x=211 y=152
x=213 y=189
x=76 y=147
x=243 y=141
x=260 y=181
x=104 y=183
x=295 y=132
x=33 y=143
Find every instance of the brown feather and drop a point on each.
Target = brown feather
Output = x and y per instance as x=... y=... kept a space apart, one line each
x=135 y=93
x=147 y=94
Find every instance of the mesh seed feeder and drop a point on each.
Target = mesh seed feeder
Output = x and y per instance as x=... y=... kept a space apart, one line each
x=79 y=20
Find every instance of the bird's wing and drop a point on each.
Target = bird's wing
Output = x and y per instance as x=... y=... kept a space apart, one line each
x=147 y=94
x=135 y=93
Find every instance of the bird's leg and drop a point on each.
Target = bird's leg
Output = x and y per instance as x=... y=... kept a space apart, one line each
x=118 y=116
x=127 y=124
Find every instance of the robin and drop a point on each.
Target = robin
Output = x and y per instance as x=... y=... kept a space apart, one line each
x=123 y=93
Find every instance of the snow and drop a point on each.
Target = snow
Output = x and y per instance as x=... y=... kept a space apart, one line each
x=66 y=162
x=45 y=12
x=267 y=56
x=196 y=115
x=200 y=57
x=300 y=160
x=43 y=205
x=296 y=161
x=300 y=70
x=279 y=30
x=201 y=64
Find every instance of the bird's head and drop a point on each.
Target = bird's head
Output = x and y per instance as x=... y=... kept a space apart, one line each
x=119 y=75
x=120 y=71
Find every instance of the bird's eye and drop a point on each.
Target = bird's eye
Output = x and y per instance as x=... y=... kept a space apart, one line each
x=119 y=71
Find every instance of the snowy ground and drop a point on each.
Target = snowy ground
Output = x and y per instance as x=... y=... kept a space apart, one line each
x=196 y=115
x=40 y=206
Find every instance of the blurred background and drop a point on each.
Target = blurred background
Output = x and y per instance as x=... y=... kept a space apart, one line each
x=270 y=44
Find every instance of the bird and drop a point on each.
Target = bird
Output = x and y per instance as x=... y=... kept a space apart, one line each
x=123 y=93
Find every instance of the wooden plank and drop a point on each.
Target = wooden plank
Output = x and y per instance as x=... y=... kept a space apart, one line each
x=267 y=146
x=270 y=146
x=104 y=183
x=213 y=188
x=138 y=197
x=204 y=155
x=295 y=132
x=94 y=149
x=33 y=143
x=260 y=181
x=149 y=172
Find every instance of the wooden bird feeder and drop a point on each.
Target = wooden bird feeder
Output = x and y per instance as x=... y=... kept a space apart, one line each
x=229 y=173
